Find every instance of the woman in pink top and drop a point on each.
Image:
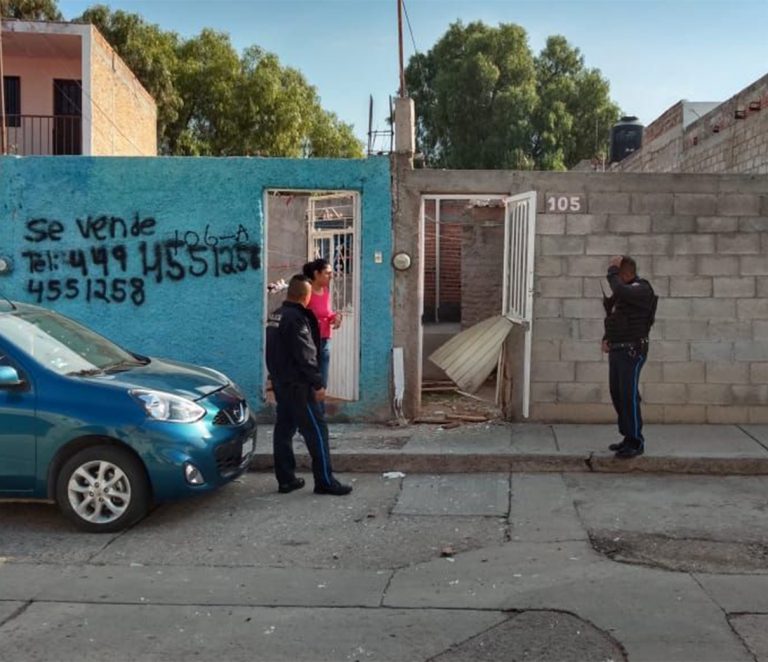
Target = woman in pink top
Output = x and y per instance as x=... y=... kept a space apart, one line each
x=319 y=273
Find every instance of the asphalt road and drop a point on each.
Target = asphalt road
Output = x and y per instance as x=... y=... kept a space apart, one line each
x=446 y=568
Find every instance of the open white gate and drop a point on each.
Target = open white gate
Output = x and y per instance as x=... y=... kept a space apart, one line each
x=332 y=233
x=517 y=298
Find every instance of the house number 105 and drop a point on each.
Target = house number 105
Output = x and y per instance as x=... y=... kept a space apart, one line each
x=565 y=203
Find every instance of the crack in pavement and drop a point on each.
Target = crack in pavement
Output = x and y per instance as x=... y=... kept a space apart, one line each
x=15 y=614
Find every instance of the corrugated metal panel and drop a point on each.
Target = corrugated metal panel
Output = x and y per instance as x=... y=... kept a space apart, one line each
x=469 y=357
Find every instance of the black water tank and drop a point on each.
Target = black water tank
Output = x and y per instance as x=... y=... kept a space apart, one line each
x=626 y=137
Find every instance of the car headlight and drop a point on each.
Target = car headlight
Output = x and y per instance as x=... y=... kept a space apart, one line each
x=167 y=407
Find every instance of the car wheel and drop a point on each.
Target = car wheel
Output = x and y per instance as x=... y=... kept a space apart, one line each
x=103 y=489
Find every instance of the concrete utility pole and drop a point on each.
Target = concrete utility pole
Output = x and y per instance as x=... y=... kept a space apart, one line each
x=401 y=92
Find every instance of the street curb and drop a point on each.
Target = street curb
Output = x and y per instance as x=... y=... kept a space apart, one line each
x=433 y=463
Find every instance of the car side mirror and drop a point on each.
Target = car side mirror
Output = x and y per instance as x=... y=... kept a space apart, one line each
x=9 y=377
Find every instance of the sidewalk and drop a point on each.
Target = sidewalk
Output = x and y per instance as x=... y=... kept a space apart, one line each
x=532 y=447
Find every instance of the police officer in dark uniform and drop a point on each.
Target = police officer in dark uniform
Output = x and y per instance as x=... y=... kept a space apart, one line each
x=630 y=312
x=293 y=339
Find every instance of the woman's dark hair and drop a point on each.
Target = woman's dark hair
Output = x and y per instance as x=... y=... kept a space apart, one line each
x=311 y=268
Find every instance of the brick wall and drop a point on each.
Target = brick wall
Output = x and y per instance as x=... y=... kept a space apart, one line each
x=124 y=115
x=701 y=240
x=718 y=142
x=450 y=304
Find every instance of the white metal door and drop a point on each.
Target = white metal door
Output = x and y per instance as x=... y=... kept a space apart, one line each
x=332 y=232
x=517 y=298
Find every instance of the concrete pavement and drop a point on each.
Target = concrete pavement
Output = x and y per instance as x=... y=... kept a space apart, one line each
x=530 y=447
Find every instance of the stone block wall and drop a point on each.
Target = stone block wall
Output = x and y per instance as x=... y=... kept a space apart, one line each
x=702 y=241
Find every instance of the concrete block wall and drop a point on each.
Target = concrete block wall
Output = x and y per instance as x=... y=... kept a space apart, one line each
x=702 y=241
x=124 y=114
x=718 y=142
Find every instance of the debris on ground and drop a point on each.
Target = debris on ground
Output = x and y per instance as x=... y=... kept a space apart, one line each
x=393 y=474
x=447 y=551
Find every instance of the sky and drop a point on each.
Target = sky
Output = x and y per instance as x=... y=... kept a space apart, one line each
x=653 y=53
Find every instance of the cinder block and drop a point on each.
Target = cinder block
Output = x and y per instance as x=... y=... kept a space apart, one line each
x=665 y=394
x=580 y=392
x=737 y=244
x=669 y=350
x=553 y=371
x=580 y=350
x=686 y=372
x=576 y=413
x=735 y=287
x=698 y=244
x=753 y=224
x=611 y=203
x=606 y=245
x=548 y=266
x=560 y=287
x=758 y=373
x=718 y=265
x=754 y=266
x=674 y=309
x=762 y=286
x=710 y=394
x=685 y=414
x=547 y=308
x=592 y=371
x=660 y=244
x=758 y=415
x=712 y=350
x=751 y=350
x=587 y=265
x=585 y=223
x=759 y=330
x=663 y=224
x=683 y=265
x=717 y=224
x=729 y=330
x=550 y=224
x=752 y=309
x=727 y=373
x=719 y=415
x=754 y=394
x=734 y=204
x=629 y=223
x=554 y=329
x=591 y=329
x=713 y=309
x=652 y=203
x=545 y=350
x=590 y=308
x=660 y=284
x=543 y=392
x=651 y=372
x=694 y=286
x=696 y=204
x=684 y=330
x=562 y=245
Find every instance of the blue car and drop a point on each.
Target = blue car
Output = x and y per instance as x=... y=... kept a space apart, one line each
x=104 y=432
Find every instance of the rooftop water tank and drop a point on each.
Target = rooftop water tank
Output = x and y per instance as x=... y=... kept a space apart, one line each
x=626 y=137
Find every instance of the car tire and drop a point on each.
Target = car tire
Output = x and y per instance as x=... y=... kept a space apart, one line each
x=103 y=489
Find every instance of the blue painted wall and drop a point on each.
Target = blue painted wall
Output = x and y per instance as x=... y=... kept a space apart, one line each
x=213 y=315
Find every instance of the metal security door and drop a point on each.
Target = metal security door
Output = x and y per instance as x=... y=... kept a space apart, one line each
x=333 y=234
x=517 y=297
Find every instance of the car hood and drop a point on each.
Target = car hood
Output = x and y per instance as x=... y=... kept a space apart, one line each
x=189 y=381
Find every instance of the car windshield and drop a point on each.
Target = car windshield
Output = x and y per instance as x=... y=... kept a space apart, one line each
x=62 y=345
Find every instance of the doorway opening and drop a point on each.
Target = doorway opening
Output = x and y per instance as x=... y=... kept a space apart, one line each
x=478 y=295
x=302 y=226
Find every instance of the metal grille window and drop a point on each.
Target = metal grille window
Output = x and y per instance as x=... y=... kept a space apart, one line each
x=12 y=92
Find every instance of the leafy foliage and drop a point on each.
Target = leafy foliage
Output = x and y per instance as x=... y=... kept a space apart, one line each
x=213 y=101
x=30 y=10
x=484 y=101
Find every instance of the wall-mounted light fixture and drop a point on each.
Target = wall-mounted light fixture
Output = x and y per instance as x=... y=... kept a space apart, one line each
x=6 y=265
x=755 y=105
x=740 y=114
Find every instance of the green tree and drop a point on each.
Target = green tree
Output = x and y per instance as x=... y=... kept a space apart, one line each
x=483 y=101
x=31 y=10
x=213 y=101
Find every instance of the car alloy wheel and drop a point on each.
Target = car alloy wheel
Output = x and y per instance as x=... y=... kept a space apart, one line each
x=103 y=489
